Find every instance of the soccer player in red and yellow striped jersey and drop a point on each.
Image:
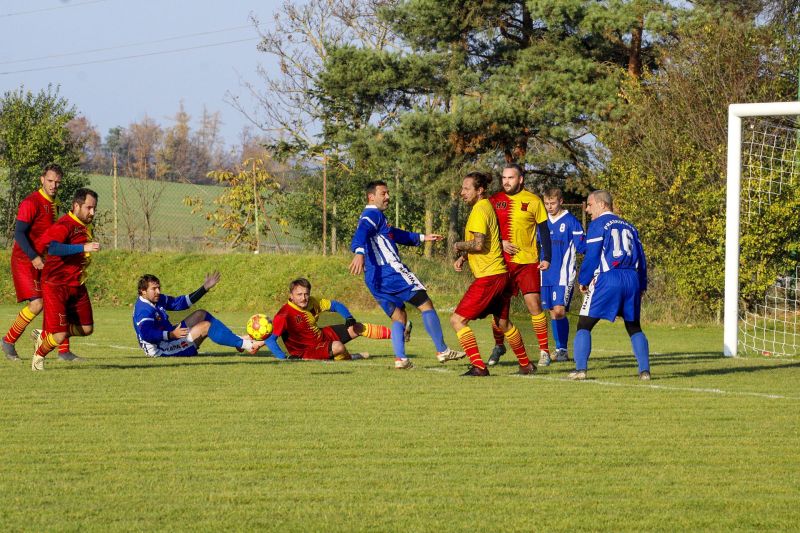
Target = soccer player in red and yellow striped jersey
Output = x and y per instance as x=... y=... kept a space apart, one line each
x=296 y=324
x=519 y=213
x=490 y=293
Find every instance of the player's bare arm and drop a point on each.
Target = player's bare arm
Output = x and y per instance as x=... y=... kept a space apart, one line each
x=476 y=245
x=91 y=247
x=357 y=265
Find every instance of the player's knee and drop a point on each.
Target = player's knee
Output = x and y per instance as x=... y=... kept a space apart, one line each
x=87 y=329
x=35 y=306
x=633 y=327
x=337 y=348
x=457 y=322
x=421 y=301
x=558 y=312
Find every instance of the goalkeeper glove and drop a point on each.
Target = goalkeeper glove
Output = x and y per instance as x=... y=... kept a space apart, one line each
x=350 y=321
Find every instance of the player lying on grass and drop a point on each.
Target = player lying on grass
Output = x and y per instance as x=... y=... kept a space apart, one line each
x=296 y=324
x=159 y=338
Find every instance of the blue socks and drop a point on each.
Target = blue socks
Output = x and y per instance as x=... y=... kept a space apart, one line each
x=398 y=339
x=434 y=328
x=641 y=349
x=582 y=348
x=219 y=333
x=561 y=332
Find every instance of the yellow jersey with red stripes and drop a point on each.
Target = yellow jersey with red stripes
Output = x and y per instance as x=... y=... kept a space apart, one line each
x=483 y=220
x=518 y=215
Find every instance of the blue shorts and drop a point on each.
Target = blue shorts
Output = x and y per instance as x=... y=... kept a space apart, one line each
x=553 y=295
x=391 y=301
x=612 y=294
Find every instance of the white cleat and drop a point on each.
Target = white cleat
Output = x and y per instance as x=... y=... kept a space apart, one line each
x=37 y=363
x=577 y=375
x=544 y=358
x=561 y=355
x=403 y=364
x=449 y=355
x=360 y=355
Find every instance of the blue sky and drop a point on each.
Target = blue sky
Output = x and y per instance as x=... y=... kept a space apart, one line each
x=111 y=90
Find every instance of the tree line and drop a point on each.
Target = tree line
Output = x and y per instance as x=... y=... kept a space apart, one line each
x=629 y=95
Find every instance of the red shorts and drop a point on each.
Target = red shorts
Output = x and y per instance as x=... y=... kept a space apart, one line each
x=490 y=295
x=26 y=279
x=65 y=305
x=525 y=278
x=324 y=349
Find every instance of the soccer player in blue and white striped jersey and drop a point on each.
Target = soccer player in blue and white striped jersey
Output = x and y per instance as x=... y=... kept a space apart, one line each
x=613 y=277
x=391 y=282
x=558 y=282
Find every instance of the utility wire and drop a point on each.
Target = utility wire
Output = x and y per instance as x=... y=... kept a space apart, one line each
x=166 y=39
x=111 y=60
x=5 y=15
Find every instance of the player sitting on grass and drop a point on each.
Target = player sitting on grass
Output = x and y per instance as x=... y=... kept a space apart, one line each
x=296 y=324
x=159 y=338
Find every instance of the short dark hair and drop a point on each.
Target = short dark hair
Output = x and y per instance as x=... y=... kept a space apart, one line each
x=300 y=282
x=145 y=282
x=517 y=167
x=54 y=167
x=373 y=185
x=80 y=195
x=481 y=179
x=553 y=192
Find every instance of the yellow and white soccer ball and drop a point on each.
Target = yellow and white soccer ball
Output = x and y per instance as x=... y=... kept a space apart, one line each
x=259 y=327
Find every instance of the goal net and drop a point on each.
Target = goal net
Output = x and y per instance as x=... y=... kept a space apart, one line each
x=762 y=264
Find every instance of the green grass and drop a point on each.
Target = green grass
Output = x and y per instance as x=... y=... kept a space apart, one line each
x=228 y=442
x=175 y=227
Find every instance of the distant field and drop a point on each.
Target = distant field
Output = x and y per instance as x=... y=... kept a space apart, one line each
x=175 y=227
x=225 y=442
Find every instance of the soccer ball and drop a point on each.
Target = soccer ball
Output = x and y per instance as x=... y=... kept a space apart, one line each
x=259 y=327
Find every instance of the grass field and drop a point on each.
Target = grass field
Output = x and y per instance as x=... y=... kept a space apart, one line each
x=175 y=227
x=228 y=442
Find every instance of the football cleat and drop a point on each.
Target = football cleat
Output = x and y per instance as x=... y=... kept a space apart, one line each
x=577 y=375
x=544 y=358
x=407 y=331
x=360 y=355
x=645 y=375
x=403 y=364
x=561 y=355
x=36 y=334
x=476 y=372
x=449 y=355
x=527 y=370
x=498 y=351
x=10 y=350
x=37 y=362
x=70 y=357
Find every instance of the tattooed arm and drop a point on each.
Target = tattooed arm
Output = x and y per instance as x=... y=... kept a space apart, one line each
x=476 y=245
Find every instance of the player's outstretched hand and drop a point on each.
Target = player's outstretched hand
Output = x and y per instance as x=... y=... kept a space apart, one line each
x=433 y=237
x=91 y=247
x=357 y=265
x=211 y=280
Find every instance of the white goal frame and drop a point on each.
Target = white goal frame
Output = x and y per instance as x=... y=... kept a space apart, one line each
x=734 y=175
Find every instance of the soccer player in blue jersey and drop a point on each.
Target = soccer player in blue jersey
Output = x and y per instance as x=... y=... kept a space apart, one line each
x=391 y=282
x=159 y=338
x=558 y=282
x=613 y=277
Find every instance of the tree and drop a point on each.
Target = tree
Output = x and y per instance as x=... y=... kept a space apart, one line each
x=667 y=164
x=33 y=133
x=83 y=133
x=248 y=192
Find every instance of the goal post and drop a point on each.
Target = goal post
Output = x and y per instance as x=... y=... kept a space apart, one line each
x=736 y=112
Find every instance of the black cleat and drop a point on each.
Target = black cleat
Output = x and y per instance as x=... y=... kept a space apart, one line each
x=474 y=371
